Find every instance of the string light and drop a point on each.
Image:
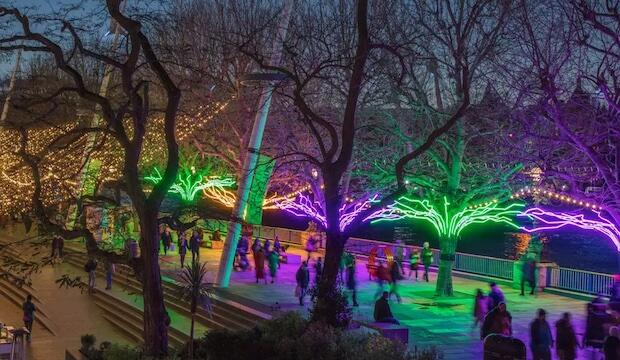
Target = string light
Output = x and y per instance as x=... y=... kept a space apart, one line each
x=528 y=191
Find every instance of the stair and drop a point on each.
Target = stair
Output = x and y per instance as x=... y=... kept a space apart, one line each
x=225 y=314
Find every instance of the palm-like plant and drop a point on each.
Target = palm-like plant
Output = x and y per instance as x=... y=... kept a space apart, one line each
x=195 y=289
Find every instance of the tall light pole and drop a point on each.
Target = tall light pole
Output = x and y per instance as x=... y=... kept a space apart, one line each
x=251 y=158
x=7 y=101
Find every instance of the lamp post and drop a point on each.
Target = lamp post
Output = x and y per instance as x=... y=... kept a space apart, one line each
x=253 y=149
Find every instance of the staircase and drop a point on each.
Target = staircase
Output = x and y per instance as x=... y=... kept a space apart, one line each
x=226 y=313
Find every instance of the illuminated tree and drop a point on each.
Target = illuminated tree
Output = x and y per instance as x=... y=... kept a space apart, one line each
x=125 y=115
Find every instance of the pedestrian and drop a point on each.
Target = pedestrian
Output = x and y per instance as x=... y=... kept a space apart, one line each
x=242 y=253
x=256 y=245
x=194 y=245
x=259 y=265
x=310 y=243
x=395 y=275
x=54 y=247
x=611 y=345
x=318 y=270
x=267 y=247
x=414 y=261
x=352 y=283
x=383 y=275
x=216 y=236
x=182 y=244
x=496 y=295
x=382 y=312
x=302 y=276
x=166 y=240
x=273 y=260
x=541 y=339
x=61 y=247
x=399 y=254
x=427 y=258
x=497 y=321
x=565 y=338
x=110 y=269
x=91 y=268
x=528 y=274
x=29 y=310
x=481 y=308
x=342 y=266
x=277 y=248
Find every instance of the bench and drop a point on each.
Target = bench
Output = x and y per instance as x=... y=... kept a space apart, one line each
x=390 y=331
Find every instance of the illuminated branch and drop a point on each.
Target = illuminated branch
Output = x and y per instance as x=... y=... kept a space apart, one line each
x=189 y=182
x=302 y=206
x=554 y=220
x=350 y=212
x=446 y=221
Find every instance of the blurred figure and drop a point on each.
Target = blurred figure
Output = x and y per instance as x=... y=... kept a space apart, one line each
x=352 y=283
x=497 y=321
x=541 y=339
x=414 y=262
x=395 y=275
x=528 y=274
x=259 y=265
x=611 y=346
x=29 y=309
x=427 y=258
x=382 y=312
x=182 y=244
x=302 y=276
x=481 y=308
x=382 y=276
x=565 y=338
x=496 y=295
x=194 y=244
x=110 y=269
x=273 y=261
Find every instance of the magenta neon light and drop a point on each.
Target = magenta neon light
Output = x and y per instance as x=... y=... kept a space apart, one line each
x=555 y=220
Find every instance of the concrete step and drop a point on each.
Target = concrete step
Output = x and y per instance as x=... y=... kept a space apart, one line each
x=224 y=315
x=15 y=295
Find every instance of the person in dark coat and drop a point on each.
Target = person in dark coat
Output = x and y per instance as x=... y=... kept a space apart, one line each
x=611 y=345
x=528 y=270
x=427 y=259
x=541 y=339
x=596 y=320
x=303 y=279
x=182 y=245
x=497 y=321
x=382 y=312
x=267 y=247
x=166 y=240
x=565 y=338
x=395 y=275
x=259 y=265
x=242 y=253
x=54 y=246
x=318 y=270
x=29 y=309
x=61 y=246
x=352 y=283
x=194 y=245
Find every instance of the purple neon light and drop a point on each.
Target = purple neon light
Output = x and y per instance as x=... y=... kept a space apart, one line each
x=302 y=206
x=555 y=220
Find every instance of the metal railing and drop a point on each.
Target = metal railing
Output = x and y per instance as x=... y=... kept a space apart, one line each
x=582 y=281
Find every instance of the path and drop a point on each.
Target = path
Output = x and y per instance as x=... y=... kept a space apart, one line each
x=445 y=324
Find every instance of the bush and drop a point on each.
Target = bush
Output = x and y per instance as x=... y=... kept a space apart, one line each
x=292 y=337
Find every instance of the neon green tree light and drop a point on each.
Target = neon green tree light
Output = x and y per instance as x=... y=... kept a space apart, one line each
x=191 y=181
x=448 y=222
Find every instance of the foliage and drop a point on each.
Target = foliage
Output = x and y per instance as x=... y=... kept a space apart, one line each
x=292 y=337
x=333 y=309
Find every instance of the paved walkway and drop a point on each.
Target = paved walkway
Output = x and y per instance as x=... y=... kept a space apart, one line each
x=446 y=324
x=72 y=313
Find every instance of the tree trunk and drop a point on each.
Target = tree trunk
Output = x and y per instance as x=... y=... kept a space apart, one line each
x=155 y=329
x=446 y=263
x=191 y=336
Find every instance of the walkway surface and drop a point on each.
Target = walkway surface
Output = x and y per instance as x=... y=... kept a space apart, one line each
x=72 y=313
x=446 y=324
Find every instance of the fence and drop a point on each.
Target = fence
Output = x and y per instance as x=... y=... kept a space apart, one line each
x=561 y=278
x=581 y=281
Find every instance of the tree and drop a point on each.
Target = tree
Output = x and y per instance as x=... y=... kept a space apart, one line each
x=125 y=119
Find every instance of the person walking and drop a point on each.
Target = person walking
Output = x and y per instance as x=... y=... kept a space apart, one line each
x=302 y=277
x=541 y=339
x=110 y=269
x=91 y=269
x=611 y=345
x=565 y=338
x=242 y=254
x=273 y=260
x=528 y=274
x=318 y=270
x=61 y=247
x=481 y=308
x=277 y=247
x=267 y=247
x=166 y=240
x=352 y=283
x=382 y=312
x=497 y=321
x=54 y=247
x=259 y=265
x=395 y=275
x=29 y=309
x=194 y=245
x=427 y=258
x=414 y=262
x=382 y=276
x=310 y=245
x=182 y=244
x=255 y=245
x=496 y=295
